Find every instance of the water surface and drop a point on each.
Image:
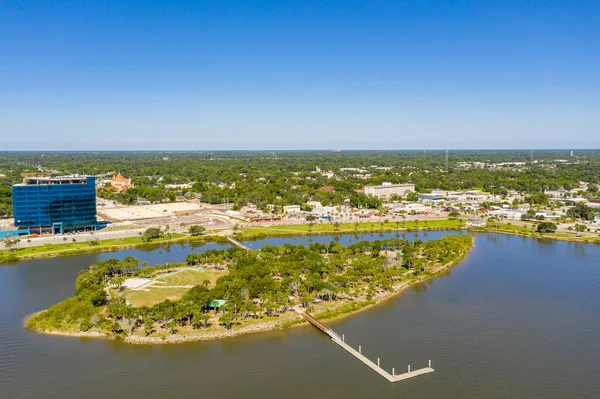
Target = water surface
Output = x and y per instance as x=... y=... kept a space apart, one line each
x=518 y=318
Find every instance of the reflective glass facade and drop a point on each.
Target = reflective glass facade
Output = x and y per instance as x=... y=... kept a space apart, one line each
x=55 y=204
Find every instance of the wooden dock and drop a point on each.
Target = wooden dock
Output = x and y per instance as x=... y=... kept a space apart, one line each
x=391 y=377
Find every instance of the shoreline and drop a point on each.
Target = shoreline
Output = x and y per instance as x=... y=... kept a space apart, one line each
x=275 y=232
x=271 y=325
x=297 y=322
x=209 y=238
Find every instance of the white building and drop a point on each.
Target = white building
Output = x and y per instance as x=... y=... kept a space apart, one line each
x=387 y=190
x=291 y=208
x=314 y=204
x=513 y=214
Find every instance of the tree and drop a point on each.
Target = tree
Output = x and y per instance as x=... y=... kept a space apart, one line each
x=580 y=228
x=227 y=319
x=412 y=196
x=453 y=215
x=151 y=234
x=581 y=211
x=546 y=227
x=196 y=230
x=336 y=226
x=8 y=243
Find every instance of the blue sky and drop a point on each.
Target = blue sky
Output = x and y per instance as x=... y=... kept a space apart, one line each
x=299 y=74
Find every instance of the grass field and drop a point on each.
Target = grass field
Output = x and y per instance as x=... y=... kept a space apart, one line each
x=69 y=247
x=188 y=277
x=154 y=295
x=362 y=226
x=173 y=285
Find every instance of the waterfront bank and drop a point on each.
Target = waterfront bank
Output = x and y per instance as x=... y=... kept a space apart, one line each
x=76 y=314
x=493 y=325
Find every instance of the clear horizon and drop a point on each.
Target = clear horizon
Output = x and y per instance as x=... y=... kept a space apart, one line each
x=291 y=76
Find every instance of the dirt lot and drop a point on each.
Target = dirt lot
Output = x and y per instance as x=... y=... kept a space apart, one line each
x=137 y=212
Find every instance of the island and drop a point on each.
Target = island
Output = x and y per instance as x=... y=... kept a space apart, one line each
x=222 y=293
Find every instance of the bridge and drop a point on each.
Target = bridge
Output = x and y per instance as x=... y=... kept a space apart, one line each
x=238 y=244
x=391 y=377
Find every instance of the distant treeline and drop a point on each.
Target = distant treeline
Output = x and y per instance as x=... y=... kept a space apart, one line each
x=283 y=178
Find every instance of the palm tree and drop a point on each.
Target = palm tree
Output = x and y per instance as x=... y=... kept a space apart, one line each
x=356 y=226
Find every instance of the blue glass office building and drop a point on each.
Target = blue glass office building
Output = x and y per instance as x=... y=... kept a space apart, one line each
x=55 y=204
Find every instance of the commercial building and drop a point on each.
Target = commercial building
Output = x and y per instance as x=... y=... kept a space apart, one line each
x=291 y=208
x=387 y=190
x=431 y=197
x=55 y=204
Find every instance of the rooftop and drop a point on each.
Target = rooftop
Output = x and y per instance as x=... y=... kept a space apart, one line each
x=39 y=181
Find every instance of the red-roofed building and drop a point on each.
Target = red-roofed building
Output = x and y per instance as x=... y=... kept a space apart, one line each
x=120 y=183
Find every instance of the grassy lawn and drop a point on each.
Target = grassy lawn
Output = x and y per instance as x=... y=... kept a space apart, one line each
x=173 y=286
x=78 y=247
x=154 y=295
x=361 y=226
x=527 y=229
x=191 y=277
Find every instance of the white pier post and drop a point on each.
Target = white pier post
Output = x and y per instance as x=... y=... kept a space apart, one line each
x=342 y=337
x=409 y=368
x=393 y=372
x=359 y=349
x=377 y=362
x=429 y=363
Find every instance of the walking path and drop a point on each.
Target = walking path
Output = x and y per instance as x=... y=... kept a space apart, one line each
x=393 y=377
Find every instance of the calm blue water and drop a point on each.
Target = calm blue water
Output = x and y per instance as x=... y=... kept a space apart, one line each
x=518 y=318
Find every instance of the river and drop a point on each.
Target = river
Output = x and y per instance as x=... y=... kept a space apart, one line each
x=518 y=318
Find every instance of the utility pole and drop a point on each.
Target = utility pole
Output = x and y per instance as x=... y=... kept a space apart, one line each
x=446 y=161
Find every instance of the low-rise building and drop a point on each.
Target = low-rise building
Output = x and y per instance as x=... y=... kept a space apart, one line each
x=507 y=213
x=428 y=197
x=314 y=204
x=291 y=208
x=386 y=190
x=121 y=183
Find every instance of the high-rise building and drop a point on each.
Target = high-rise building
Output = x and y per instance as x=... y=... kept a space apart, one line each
x=55 y=204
